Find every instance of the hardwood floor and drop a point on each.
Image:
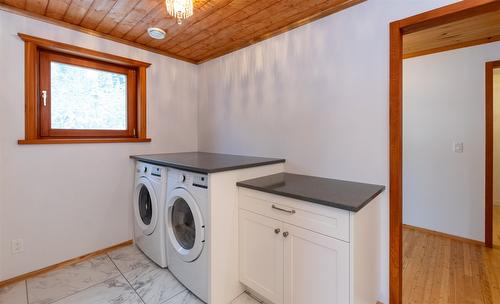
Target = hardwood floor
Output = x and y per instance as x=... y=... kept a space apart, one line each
x=438 y=269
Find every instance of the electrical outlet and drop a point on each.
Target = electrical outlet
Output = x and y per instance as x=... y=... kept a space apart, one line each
x=17 y=246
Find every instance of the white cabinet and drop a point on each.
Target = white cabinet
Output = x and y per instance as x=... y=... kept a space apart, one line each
x=261 y=255
x=296 y=252
x=222 y=231
x=287 y=264
x=316 y=268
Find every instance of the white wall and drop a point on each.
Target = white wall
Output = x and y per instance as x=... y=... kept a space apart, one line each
x=496 y=136
x=444 y=99
x=67 y=200
x=317 y=95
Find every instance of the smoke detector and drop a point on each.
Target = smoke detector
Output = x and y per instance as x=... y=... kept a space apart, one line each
x=156 y=33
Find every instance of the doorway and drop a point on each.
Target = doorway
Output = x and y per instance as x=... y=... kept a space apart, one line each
x=398 y=29
x=492 y=150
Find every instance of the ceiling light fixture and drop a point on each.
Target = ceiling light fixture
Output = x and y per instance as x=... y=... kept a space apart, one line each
x=180 y=9
x=156 y=33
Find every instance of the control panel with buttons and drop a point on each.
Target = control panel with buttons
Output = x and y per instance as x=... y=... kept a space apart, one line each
x=200 y=181
x=148 y=169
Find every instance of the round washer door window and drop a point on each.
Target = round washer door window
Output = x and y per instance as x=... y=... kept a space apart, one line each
x=185 y=225
x=145 y=206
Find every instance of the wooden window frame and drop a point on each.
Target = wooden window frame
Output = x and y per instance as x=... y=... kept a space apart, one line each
x=38 y=55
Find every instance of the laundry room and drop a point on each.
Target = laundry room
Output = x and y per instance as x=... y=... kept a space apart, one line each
x=232 y=152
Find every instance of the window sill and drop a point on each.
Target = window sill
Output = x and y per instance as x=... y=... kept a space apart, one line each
x=51 y=141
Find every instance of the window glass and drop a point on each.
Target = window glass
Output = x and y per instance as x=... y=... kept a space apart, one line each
x=183 y=224
x=87 y=99
x=145 y=205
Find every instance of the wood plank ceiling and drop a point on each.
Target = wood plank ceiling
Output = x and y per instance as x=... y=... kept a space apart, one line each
x=470 y=31
x=217 y=27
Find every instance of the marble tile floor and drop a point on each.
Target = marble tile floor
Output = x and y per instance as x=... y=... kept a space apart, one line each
x=123 y=276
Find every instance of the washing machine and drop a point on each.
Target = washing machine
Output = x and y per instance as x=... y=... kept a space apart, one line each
x=149 y=208
x=186 y=218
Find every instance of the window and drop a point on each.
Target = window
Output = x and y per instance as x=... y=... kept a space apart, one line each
x=75 y=95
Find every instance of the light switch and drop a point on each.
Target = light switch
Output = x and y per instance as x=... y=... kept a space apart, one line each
x=458 y=147
x=17 y=246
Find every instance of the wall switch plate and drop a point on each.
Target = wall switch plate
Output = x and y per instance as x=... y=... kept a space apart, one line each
x=458 y=147
x=17 y=246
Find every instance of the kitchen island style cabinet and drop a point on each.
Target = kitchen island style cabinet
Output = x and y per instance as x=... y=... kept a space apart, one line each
x=299 y=252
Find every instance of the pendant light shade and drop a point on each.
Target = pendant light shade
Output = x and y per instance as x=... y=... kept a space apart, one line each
x=180 y=9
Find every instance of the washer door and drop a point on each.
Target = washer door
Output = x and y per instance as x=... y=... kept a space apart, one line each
x=185 y=226
x=145 y=206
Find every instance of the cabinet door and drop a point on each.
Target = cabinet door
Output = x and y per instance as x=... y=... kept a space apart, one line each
x=316 y=268
x=261 y=255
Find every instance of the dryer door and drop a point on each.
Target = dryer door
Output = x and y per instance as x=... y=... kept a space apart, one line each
x=185 y=226
x=145 y=206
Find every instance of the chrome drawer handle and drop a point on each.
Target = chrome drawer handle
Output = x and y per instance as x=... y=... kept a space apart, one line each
x=284 y=210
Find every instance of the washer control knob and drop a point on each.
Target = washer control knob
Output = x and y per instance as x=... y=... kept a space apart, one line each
x=181 y=178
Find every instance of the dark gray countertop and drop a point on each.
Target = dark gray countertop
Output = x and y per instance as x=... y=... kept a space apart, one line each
x=340 y=194
x=204 y=162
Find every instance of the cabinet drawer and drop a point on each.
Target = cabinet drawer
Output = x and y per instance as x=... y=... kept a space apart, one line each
x=322 y=219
